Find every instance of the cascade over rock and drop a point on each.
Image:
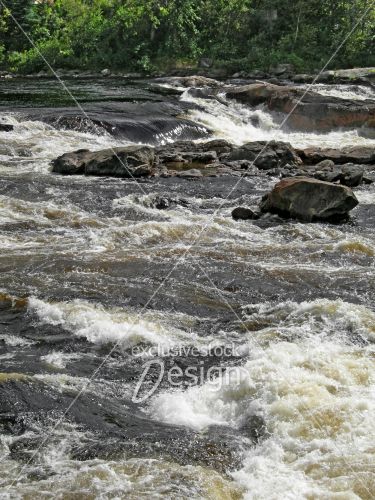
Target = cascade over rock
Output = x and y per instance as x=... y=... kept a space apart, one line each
x=308 y=110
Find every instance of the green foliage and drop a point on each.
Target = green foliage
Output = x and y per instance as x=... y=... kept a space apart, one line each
x=149 y=34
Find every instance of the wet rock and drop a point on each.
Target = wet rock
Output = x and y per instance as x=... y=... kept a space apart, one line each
x=362 y=155
x=190 y=174
x=244 y=213
x=115 y=428
x=308 y=110
x=137 y=122
x=349 y=174
x=162 y=202
x=265 y=155
x=192 y=81
x=6 y=127
x=105 y=72
x=132 y=161
x=309 y=199
x=254 y=427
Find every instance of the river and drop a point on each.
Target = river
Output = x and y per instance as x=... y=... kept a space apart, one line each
x=93 y=277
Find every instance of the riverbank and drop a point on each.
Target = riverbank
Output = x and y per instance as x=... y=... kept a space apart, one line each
x=283 y=72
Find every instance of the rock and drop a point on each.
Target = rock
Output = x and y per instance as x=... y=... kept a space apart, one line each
x=243 y=213
x=362 y=155
x=105 y=72
x=131 y=161
x=71 y=163
x=136 y=122
x=352 y=175
x=325 y=164
x=309 y=199
x=349 y=174
x=265 y=155
x=206 y=62
x=307 y=111
x=190 y=174
x=6 y=127
x=281 y=69
x=192 y=81
x=257 y=74
x=354 y=74
x=161 y=202
x=303 y=78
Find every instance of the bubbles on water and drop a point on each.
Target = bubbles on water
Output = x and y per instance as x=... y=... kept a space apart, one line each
x=313 y=390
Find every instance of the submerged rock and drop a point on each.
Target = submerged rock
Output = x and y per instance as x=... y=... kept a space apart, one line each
x=309 y=199
x=308 y=110
x=131 y=161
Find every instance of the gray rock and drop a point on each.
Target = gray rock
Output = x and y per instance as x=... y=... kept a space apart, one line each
x=265 y=156
x=325 y=164
x=309 y=199
x=244 y=213
x=351 y=175
x=132 y=161
x=190 y=174
x=192 y=81
x=105 y=72
x=281 y=69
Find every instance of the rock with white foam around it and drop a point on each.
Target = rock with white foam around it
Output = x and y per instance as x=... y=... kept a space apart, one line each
x=309 y=200
x=130 y=161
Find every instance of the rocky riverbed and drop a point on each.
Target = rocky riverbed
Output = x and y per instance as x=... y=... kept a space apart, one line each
x=121 y=246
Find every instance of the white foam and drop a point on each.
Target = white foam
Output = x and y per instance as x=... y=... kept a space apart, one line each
x=59 y=360
x=314 y=391
x=239 y=124
x=100 y=326
x=355 y=93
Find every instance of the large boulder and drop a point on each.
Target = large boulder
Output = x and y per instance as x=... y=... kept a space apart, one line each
x=308 y=110
x=131 y=161
x=309 y=199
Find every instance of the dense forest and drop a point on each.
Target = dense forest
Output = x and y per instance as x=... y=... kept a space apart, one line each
x=151 y=35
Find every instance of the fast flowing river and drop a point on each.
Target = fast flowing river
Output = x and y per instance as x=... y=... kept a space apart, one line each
x=93 y=277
